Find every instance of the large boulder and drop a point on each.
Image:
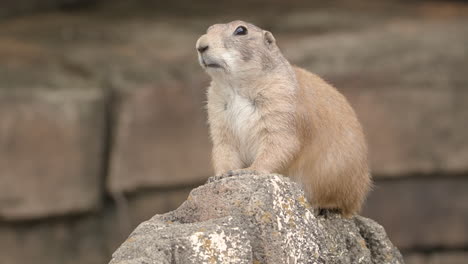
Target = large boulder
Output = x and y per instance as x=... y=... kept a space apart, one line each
x=254 y=219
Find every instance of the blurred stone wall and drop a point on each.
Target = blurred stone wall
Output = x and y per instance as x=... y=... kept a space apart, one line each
x=10 y=8
x=102 y=121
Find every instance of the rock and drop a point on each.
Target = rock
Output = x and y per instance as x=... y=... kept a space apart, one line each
x=437 y=204
x=51 y=152
x=159 y=119
x=450 y=257
x=254 y=219
x=72 y=240
x=14 y=8
x=158 y=128
x=85 y=238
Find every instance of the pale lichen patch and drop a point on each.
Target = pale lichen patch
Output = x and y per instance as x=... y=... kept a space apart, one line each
x=218 y=246
x=292 y=217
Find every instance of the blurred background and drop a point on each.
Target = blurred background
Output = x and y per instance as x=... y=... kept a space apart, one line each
x=102 y=122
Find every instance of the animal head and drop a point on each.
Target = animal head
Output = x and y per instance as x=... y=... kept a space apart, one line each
x=237 y=49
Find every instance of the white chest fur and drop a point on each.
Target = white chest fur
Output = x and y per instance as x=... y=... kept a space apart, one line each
x=243 y=117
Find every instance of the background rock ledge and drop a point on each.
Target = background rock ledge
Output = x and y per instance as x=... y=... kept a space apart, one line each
x=254 y=219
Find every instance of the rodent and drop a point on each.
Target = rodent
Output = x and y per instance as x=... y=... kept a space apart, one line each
x=268 y=116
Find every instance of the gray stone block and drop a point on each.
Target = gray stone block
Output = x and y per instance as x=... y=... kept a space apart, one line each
x=86 y=238
x=422 y=213
x=451 y=257
x=161 y=139
x=51 y=152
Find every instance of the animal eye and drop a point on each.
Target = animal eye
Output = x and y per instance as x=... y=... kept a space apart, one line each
x=240 y=30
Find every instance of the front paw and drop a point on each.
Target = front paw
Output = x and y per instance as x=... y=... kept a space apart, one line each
x=216 y=178
x=238 y=172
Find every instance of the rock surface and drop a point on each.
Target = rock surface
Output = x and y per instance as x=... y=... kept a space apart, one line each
x=422 y=205
x=85 y=238
x=150 y=133
x=51 y=145
x=455 y=257
x=254 y=219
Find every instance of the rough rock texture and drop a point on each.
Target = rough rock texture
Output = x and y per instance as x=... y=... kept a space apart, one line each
x=52 y=141
x=254 y=219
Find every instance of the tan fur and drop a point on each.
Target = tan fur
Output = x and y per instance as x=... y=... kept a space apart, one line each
x=269 y=116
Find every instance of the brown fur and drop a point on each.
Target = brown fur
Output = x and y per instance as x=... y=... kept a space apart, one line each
x=269 y=116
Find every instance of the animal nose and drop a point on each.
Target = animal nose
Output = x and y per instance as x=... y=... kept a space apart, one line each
x=202 y=48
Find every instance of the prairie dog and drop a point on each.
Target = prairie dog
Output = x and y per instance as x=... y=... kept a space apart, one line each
x=268 y=116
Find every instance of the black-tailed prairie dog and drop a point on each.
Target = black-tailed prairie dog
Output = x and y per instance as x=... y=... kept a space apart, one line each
x=268 y=116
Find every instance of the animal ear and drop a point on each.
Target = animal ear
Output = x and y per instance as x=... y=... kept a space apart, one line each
x=268 y=37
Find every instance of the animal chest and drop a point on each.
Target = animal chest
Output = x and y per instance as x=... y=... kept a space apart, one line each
x=243 y=118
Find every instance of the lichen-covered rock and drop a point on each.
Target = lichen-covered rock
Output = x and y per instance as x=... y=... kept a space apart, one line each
x=212 y=241
x=254 y=219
